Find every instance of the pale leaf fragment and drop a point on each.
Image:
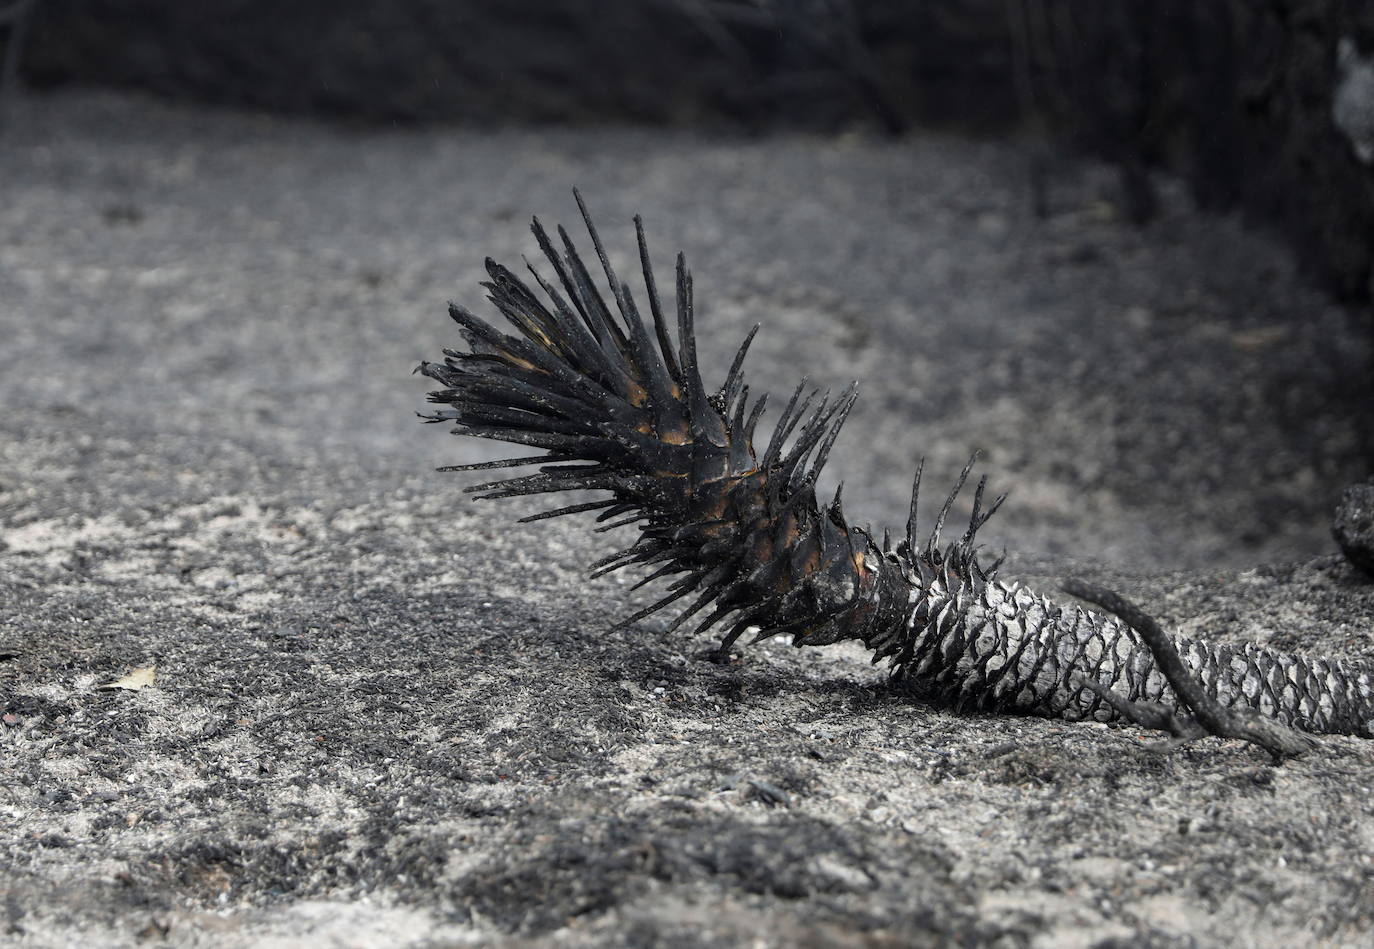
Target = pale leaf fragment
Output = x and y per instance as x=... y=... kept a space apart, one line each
x=140 y=678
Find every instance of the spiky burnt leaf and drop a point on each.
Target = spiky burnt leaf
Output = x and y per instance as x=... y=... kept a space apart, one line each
x=622 y=408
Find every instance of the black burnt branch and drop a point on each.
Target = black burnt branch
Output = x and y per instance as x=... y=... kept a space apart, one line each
x=1208 y=717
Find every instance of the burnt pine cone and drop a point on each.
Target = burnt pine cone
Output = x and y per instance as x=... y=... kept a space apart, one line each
x=616 y=403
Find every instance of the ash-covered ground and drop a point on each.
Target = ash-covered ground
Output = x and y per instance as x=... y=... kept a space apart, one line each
x=384 y=715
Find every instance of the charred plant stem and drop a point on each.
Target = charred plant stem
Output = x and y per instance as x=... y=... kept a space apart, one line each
x=621 y=406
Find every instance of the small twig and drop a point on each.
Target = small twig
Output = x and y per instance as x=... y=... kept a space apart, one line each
x=1209 y=716
x=1146 y=714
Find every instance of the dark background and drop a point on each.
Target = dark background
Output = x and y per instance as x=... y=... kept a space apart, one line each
x=1236 y=97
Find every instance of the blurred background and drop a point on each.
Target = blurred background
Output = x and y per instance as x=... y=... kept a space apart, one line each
x=1125 y=248
x=1249 y=102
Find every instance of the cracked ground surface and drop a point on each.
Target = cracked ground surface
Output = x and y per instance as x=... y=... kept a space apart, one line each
x=384 y=715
